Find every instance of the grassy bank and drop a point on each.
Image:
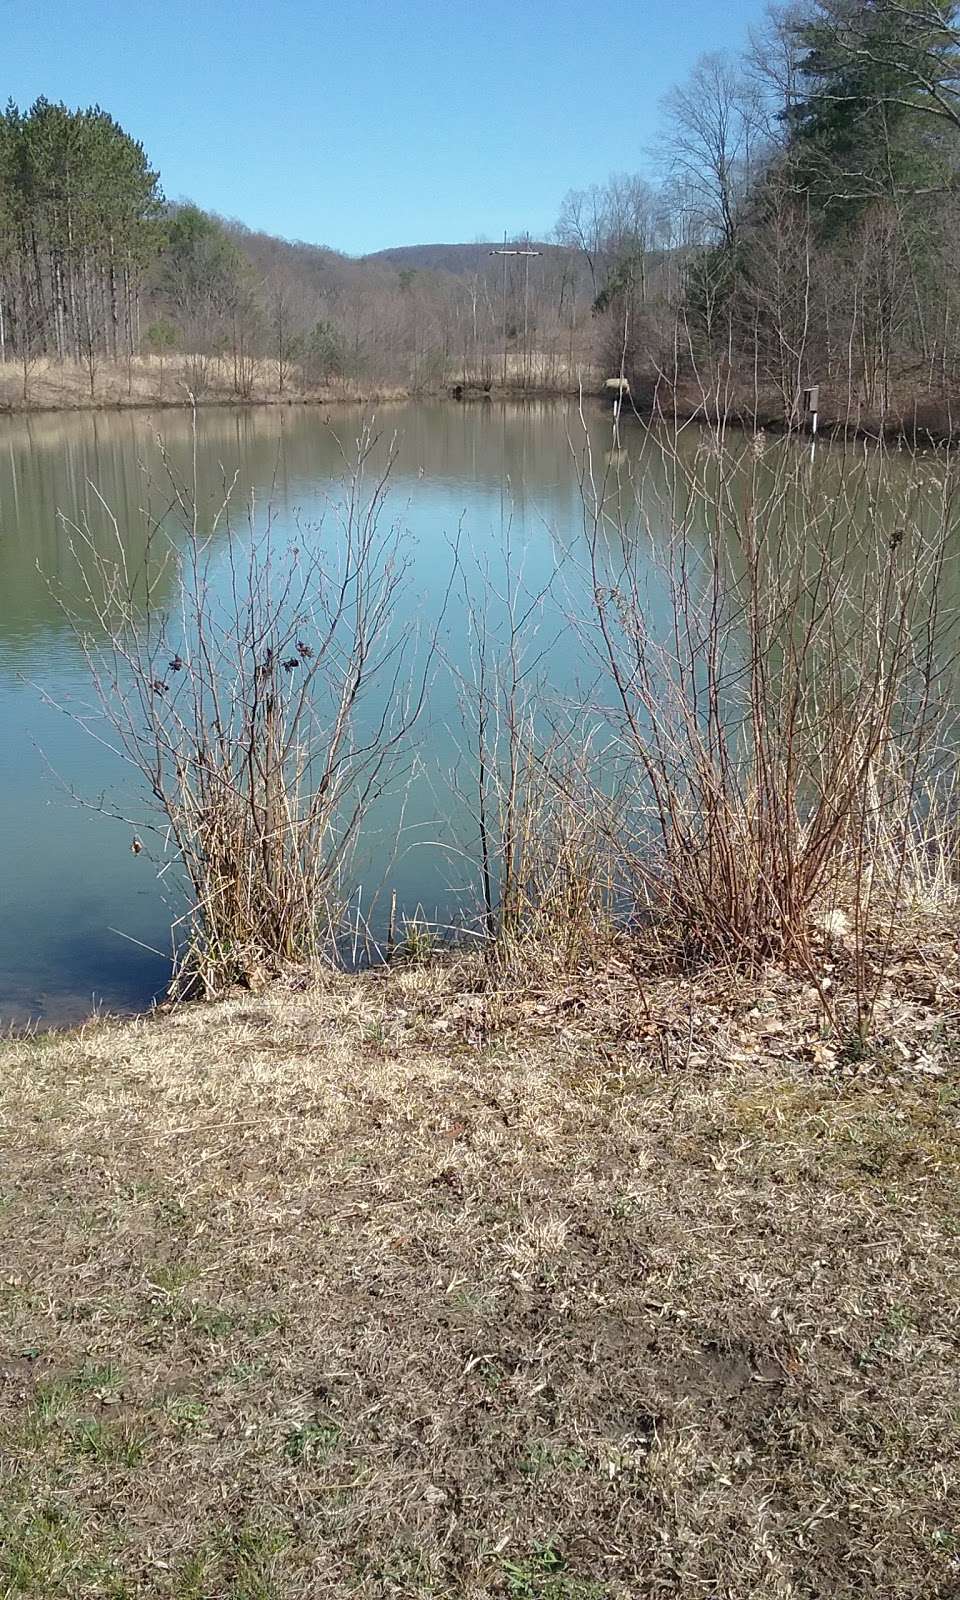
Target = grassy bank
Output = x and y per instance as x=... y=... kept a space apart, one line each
x=179 y=380
x=154 y=381
x=407 y=1285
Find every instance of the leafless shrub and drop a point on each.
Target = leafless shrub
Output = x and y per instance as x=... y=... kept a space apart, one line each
x=198 y=373
x=264 y=706
x=776 y=670
x=765 y=759
x=546 y=871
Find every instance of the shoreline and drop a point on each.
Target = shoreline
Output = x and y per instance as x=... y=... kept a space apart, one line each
x=148 y=384
x=903 y=430
x=910 y=432
x=275 y=402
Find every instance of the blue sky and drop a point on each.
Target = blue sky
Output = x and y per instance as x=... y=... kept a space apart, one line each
x=366 y=123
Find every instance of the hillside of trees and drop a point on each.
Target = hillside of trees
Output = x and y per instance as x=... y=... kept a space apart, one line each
x=800 y=227
x=99 y=272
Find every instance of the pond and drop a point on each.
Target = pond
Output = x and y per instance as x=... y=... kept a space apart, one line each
x=84 y=918
x=86 y=921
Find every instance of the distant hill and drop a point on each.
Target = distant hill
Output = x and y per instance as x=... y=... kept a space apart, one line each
x=458 y=259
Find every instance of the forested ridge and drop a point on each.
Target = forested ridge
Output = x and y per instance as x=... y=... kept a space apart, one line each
x=797 y=224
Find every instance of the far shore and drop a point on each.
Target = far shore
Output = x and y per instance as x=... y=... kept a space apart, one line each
x=179 y=382
x=152 y=383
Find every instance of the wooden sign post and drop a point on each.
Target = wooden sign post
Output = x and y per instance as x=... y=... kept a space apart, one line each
x=811 y=405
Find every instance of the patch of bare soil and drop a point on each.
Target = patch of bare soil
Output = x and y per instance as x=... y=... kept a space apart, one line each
x=390 y=1288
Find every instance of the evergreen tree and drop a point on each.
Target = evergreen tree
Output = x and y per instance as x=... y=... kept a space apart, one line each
x=877 y=112
x=79 y=206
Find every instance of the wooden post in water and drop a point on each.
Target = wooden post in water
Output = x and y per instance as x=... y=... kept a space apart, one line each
x=617 y=388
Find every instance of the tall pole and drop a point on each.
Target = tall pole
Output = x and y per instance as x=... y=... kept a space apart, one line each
x=526 y=322
x=528 y=255
x=503 y=310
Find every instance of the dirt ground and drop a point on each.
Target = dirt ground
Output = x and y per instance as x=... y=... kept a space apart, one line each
x=380 y=1288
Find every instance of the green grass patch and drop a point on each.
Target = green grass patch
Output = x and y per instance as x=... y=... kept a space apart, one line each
x=236 y=1563
x=544 y=1575
x=107 y=1442
x=55 y=1396
x=46 y=1552
x=185 y=1411
x=311 y=1443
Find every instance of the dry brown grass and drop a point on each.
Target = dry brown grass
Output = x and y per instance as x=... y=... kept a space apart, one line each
x=154 y=381
x=397 y=1286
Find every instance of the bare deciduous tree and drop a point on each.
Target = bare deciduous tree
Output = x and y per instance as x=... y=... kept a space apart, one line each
x=711 y=137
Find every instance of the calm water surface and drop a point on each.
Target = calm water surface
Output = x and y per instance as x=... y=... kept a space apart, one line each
x=84 y=919
x=78 y=906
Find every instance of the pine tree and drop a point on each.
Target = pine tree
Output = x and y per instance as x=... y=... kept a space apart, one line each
x=878 y=114
x=79 y=206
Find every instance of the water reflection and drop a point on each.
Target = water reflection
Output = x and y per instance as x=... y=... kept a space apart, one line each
x=83 y=915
